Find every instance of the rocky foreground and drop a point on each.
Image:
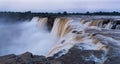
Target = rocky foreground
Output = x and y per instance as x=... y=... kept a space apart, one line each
x=73 y=56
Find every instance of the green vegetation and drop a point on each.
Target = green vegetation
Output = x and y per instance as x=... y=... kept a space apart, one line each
x=29 y=14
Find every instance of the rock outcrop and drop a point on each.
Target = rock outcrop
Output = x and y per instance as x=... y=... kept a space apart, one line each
x=73 y=56
x=78 y=56
x=26 y=58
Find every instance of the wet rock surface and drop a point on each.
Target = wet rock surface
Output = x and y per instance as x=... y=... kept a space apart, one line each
x=26 y=58
x=77 y=56
x=113 y=60
x=73 y=56
x=50 y=22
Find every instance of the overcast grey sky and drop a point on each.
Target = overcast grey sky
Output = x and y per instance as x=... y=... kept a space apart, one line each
x=60 y=5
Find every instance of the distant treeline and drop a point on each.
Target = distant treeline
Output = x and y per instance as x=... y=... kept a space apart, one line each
x=29 y=14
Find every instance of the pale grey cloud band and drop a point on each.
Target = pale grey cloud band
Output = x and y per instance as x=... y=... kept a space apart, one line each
x=59 y=5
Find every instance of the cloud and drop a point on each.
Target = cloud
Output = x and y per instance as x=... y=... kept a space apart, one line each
x=59 y=5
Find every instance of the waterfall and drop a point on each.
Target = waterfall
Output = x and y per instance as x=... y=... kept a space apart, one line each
x=66 y=32
x=43 y=22
x=78 y=34
x=101 y=23
x=81 y=33
x=61 y=27
x=94 y=23
x=75 y=35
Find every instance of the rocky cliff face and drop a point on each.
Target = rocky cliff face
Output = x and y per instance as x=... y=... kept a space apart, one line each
x=73 y=56
x=26 y=58
x=77 y=56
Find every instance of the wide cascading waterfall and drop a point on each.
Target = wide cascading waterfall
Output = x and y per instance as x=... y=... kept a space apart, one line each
x=76 y=35
x=33 y=36
x=82 y=32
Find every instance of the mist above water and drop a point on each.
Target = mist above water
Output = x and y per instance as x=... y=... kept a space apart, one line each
x=27 y=36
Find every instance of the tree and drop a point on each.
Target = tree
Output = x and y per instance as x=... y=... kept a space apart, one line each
x=87 y=12
x=65 y=13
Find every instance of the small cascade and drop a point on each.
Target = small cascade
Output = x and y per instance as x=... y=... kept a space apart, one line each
x=108 y=26
x=94 y=23
x=118 y=27
x=40 y=22
x=35 y=19
x=83 y=21
x=101 y=23
x=43 y=22
x=61 y=27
